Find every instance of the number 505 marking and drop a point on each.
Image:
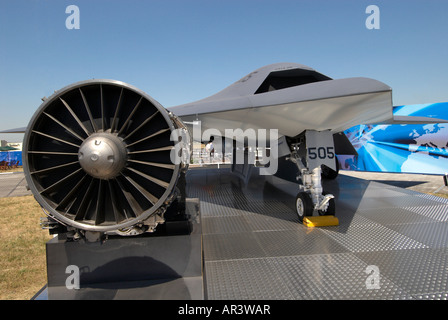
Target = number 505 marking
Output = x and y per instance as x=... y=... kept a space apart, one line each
x=321 y=153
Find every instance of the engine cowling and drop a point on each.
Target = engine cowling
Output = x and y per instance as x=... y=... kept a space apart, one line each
x=98 y=157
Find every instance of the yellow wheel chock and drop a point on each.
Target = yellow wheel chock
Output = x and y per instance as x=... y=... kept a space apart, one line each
x=320 y=221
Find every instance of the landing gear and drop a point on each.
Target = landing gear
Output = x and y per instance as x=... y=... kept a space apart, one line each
x=311 y=197
x=330 y=208
x=304 y=205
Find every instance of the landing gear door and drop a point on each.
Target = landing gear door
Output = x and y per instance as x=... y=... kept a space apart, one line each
x=320 y=149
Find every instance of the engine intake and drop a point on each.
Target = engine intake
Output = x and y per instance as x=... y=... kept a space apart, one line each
x=97 y=156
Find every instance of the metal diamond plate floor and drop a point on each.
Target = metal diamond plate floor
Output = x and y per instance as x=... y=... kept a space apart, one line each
x=254 y=247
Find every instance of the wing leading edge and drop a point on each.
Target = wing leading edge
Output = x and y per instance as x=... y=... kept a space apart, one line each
x=292 y=98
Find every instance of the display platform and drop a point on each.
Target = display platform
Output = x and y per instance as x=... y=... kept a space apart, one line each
x=391 y=243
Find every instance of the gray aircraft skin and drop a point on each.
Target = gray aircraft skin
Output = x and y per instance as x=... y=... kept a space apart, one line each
x=292 y=98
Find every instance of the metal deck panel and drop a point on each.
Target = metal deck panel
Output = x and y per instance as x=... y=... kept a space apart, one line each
x=332 y=276
x=419 y=272
x=432 y=234
x=254 y=247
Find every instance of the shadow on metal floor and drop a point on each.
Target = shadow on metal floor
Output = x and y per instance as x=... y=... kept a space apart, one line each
x=391 y=242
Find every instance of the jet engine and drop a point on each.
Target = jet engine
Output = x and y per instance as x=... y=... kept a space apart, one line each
x=103 y=157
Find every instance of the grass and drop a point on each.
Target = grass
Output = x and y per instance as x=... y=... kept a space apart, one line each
x=22 y=248
x=441 y=195
x=18 y=169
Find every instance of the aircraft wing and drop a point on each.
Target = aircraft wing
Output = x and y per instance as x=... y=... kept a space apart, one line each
x=292 y=98
x=16 y=130
x=420 y=113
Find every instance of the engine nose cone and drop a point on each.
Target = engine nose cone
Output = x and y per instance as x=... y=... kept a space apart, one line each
x=102 y=155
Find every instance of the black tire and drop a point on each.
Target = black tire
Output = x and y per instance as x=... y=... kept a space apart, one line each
x=303 y=205
x=331 y=210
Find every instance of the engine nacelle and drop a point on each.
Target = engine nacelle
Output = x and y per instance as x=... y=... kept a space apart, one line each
x=101 y=156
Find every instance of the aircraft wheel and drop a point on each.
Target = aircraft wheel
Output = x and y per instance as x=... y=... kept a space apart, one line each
x=330 y=210
x=304 y=205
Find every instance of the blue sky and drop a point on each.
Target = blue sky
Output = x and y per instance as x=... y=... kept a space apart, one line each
x=180 y=51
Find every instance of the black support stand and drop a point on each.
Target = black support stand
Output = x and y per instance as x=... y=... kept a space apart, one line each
x=153 y=266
